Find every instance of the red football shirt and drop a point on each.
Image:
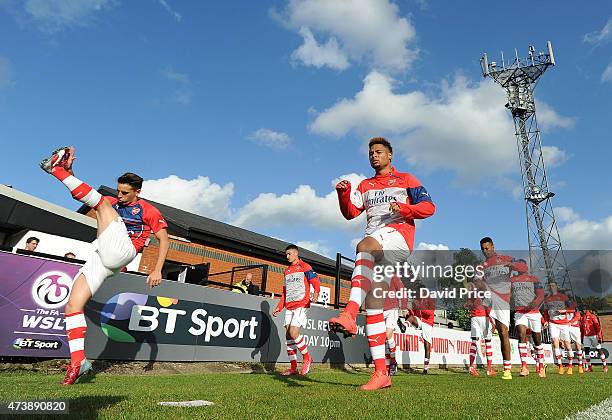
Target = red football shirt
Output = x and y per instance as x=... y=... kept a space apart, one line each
x=140 y=219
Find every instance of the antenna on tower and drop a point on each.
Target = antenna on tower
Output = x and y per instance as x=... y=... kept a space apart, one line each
x=519 y=79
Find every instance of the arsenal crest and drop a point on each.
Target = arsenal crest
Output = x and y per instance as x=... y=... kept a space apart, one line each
x=135 y=211
x=392 y=181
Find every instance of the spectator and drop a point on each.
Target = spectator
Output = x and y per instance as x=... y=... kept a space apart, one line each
x=32 y=243
x=70 y=255
x=246 y=286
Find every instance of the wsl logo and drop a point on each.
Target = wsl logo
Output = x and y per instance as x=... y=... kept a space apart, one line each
x=51 y=290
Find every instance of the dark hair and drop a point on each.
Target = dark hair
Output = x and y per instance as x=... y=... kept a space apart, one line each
x=380 y=140
x=32 y=238
x=69 y=253
x=291 y=246
x=485 y=240
x=131 y=179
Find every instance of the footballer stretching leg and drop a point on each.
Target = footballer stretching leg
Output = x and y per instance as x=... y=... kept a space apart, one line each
x=113 y=250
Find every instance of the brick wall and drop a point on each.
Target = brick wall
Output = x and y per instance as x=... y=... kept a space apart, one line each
x=606 y=326
x=221 y=260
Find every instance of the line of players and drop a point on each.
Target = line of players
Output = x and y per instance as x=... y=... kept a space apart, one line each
x=391 y=200
x=512 y=286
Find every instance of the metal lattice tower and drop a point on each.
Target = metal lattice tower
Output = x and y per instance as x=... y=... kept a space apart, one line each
x=519 y=78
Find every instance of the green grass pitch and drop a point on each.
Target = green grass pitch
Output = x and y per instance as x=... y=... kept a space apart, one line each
x=324 y=393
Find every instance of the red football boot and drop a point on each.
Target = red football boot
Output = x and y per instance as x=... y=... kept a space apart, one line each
x=306 y=364
x=378 y=380
x=75 y=372
x=344 y=323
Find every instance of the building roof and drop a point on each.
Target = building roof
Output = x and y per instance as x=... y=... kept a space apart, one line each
x=208 y=231
x=19 y=211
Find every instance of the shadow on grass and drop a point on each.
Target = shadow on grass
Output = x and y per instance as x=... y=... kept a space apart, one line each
x=88 y=407
x=299 y=380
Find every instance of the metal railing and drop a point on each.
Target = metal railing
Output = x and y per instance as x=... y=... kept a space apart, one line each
x=227 y=279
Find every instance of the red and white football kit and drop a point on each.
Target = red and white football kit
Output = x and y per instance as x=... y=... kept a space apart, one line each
x=591 y=330
x=497 y=270
x=125 y=237
x=480 y=322
x=394 y=231
x=299 y=278
x=481 y=327
x=527 y=296
x=593 y=336
x=557 y=307
x=424 y=310
x=575 y=334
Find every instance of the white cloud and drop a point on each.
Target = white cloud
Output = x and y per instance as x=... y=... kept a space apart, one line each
x=600 y=37
x=606 y=76
x=369 y=31
x=578 y=233
x=174 y=14
x=302 y=207
x=464 y=127
x=565 y=214
x=183 y=93
x=548 y=118
x=6 y=73
x=316 y=246
x=199 y=195
x=553 y=156
x=52 y=16
x=424 y=246
x=269 y=138
x=311 y=53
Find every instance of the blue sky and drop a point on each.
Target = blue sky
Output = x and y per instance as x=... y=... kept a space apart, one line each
x=248 y=111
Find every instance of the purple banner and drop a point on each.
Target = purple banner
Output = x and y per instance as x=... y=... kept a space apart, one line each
x=33 y=292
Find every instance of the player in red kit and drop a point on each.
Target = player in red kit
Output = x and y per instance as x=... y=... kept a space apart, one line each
x=480 y=324
x=593 y=337
x=527 y=297
x=299 y=278
x=124 y=224
x=575 y=335
x=421 y=315
x=497 y=270
x=557 y=306
x=392 y=201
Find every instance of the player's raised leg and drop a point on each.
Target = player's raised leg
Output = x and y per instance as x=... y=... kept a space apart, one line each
x=59 y=164
x=368 y=252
